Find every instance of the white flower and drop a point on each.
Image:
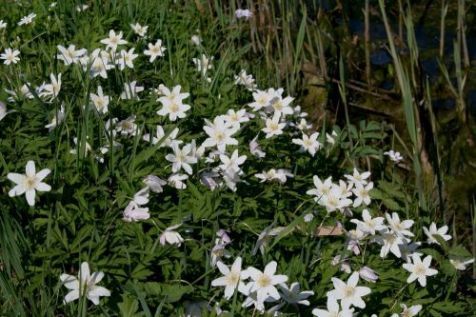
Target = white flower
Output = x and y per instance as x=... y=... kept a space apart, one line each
x=273 y=127
x=255 y=148
x=334 y=199
x=236 y=117
x=139 y=29
x=57 y=119
x=321 y=188
x=232 y=164
x=331 y=138
x=195 y=39
x=70 y=55
x=309 y=143
x=172 y=103
x=459 y=263
x=177 y=181
x=279 y=175
x=154 y=183
x=127 y=126
x=134 y=210
x=160 y=137
x=155 y=50
x=362 y=194
x=171 y=236
x=368 y=274
x=391 y=242
x=126 y=58
x=369 y=225
x=252 y=298
x=97 y=64
x=3 y=24
x=246 y=80
x=82 y=8
x=86 y=149
x=279 y=104
x=3 y=110
x=348 y=292
x=130 y=90
x=52 y=90
x=394 y=156
x=203 y=64
x=293 y=294
x=261 y=99
x=303 y=125
x=408 y=311
x=399 y=227
x=243 y=14
x=433 y=231
x=358 y=178
x=27 y=19
x=333 y=309
x=264 y=237
x=29 y=183
x=264 y=282
x=231 y=278
x=219 y=134
x=182 y=158
x=10 y=56
x=113 y=40
x=100 y=101
x=419 y=269
x=84 y=285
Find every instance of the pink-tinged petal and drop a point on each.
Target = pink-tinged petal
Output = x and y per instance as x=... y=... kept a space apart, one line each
x=30 y=169
x=43 y=187
x=71 y=296
x=42 y=174
x=30 y=197
x=223 y=268
x=16 y=178
x=270 y=268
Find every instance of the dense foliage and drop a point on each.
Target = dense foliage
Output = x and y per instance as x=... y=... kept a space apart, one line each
x=150 y=156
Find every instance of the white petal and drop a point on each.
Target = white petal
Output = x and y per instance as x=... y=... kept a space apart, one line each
x=98 y=291
x=30 y=168
x=43 y=187
x=43 y=173
x=16 y=178
x=30 y=197
x=71 y=296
